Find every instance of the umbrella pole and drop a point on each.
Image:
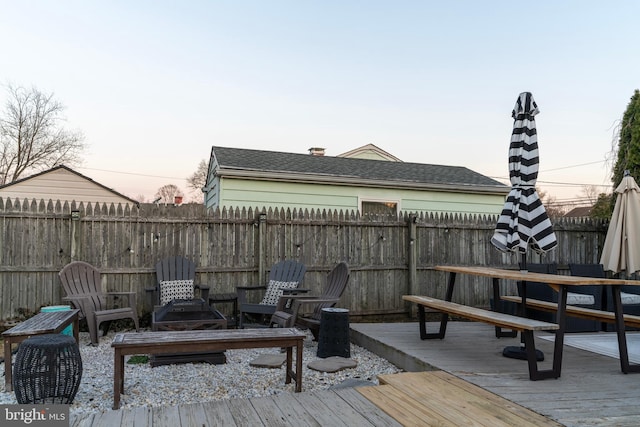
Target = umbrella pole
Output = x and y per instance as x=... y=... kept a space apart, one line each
x=515 y=352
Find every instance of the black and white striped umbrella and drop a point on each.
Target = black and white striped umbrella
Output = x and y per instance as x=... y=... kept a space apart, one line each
x=524 y=222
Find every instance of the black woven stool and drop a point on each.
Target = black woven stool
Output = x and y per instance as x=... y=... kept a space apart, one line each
x=47 y=369
x=333 y=338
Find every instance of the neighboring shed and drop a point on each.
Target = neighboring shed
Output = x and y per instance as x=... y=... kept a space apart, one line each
x=257 y=178
x=64 y=184
x=582 y=211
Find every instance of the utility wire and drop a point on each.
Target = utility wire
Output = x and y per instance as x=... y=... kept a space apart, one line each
x=132 y=173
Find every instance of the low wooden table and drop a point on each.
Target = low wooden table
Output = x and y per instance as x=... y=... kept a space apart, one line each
x=42 y=323
x=205 y=340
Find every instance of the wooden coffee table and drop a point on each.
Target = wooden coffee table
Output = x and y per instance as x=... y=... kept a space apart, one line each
x=205 y=340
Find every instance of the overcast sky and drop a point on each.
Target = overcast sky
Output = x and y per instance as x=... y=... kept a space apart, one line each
x=154 y=84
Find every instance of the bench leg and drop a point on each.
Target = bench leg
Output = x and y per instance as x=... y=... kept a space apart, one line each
x=8 y=374
x=558 y=345
x=297 y=374
x=497 y=306
x=554 y=372
x=299 y=367
x=118 y=378
x=444 y=318
x=534 y=373
x=289 y=369
x=422 y=321
x=76 y=329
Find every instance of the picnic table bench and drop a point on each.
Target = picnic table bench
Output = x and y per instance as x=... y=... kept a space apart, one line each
x=575 y=311
x=52 y=322
x=205 y=340
x=502 y=320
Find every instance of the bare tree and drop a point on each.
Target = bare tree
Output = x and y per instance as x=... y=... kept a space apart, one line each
x=553 y=208
x=590 y=193
x=198 y=180
x=140 y=198
x=167 y=193
x=31 y=135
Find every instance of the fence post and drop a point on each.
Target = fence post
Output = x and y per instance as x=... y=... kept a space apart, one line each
x=262 y=241
x=412 y=286
x=75 y=234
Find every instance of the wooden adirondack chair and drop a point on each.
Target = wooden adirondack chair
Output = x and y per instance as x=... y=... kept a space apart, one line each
x=337 y=280
x=284 y=278
x=179 y=272
x=83 y=287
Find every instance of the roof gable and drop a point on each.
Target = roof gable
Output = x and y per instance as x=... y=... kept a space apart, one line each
x=62 y=183
x=370 y=151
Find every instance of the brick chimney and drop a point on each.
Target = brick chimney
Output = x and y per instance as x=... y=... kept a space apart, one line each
x=316 y=151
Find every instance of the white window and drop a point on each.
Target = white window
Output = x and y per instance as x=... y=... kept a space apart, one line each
x=379 y=207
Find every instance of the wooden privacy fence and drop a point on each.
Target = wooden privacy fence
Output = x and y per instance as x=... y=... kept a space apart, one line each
x=388 y=256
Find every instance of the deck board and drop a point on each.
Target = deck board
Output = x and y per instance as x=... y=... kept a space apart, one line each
x=244 y=414
x=318 y=409
x=367 y=408
x=218 y=413
x=270 y=413
x=193 y=415
x=291 y=409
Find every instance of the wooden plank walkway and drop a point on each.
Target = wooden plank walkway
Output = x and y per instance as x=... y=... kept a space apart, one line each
x=340 y=408
x=439 y=398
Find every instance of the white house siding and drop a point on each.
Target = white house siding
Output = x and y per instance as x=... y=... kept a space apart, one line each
x=249 y=193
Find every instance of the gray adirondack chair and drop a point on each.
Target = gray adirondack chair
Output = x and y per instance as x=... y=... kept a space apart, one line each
x=337 y=280
x=176 y=268
x=284 y=278
x=83 y=287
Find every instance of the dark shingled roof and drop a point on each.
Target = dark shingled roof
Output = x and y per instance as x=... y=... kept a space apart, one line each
x=364 y=169
x=580 y=211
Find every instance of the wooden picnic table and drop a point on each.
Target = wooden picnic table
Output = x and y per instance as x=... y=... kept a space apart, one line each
x=561 y=284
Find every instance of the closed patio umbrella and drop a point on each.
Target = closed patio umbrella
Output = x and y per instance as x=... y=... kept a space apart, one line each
x=523 y=222
x=621 y=251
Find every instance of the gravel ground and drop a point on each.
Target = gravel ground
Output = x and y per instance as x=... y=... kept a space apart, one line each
x=201 y=382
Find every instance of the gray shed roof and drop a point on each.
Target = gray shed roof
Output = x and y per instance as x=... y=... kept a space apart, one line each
x=262 y=164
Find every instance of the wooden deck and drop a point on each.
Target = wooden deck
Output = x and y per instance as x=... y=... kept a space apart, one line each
x=340 y=408
x=592 y=391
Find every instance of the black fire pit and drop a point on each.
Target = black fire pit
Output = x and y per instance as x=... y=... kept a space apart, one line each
x=183 y=315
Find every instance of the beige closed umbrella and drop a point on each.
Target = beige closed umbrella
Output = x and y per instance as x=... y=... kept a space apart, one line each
x=621 y=251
